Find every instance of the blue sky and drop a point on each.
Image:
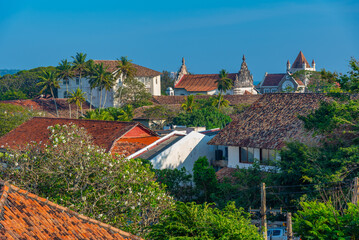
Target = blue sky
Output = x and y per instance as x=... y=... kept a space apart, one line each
x=211 y=35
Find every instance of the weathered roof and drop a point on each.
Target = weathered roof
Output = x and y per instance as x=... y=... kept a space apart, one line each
x=272 y=80
x=270 y=121
x=47 y=106
x=201 y=82
x=28 y=216
x=141 y=71
x=104 y=133
x=298 y=62
x=233 y=99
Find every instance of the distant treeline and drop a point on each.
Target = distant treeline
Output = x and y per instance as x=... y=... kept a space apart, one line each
x=8 y=71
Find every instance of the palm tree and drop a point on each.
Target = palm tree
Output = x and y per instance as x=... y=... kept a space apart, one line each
x=189 y=105
x=223 y=83
x=220 y=101
x=125 y=70
x=90 y=71
x=80 y=65
x=77 y=97
x=65 y=73
x=100 y=79
x=49 y=81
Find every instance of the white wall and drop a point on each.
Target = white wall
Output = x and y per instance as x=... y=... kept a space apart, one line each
x=153 y=85
x=185 y=152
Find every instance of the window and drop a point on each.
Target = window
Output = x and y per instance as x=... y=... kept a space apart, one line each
x=246 y=155
x=65 y=81
x=273 y=90
x=266 y=156
x=266 y=90
x=77 y=80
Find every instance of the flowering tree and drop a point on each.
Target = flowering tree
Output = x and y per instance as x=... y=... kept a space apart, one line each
x=75 y=173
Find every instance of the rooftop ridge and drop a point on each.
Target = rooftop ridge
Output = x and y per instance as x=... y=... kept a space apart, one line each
x=87 y=120
x=8 y=187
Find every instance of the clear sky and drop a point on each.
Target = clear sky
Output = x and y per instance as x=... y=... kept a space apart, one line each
x=211 y=35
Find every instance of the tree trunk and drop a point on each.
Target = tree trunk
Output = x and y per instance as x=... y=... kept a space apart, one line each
x=104 y=102
x=91 y=99
x=53 y=97
x=67 y=90
x=100 y=99
x=77 y=112
x=82 y=113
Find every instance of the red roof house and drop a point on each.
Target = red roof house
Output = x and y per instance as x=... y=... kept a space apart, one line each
x=116 y=137
x=28 y=216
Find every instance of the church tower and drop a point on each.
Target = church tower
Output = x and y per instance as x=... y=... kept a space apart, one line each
x=182 y=71
x=244 y=79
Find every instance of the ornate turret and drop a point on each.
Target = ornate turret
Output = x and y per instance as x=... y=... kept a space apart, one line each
x=313 y=65
x=243 y=79
x=182 y=71
x=288 y=66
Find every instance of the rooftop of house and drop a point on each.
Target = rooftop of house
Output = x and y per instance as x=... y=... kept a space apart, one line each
x=270 y=122
x=141 y=71
x=272 y=79
x=233 y=99
x=104 y=133
x=47 y=106
x=225 y=173
x=201 y=82
x=27 y=216
x=299 y=61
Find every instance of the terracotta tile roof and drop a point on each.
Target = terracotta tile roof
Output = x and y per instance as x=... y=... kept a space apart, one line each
x=272 y=80
x=104 y=133
x=47 y=106
x=141 y=71
x=298 y=62
x=224 y=173
x=28 y=216
x=200 y=82
x=233 y=99
x=128 y=146
x=270 y=121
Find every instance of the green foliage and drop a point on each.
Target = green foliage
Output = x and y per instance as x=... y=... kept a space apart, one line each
x=322 y=221
x=166 y=81
x=350 y=82
x=12 y=116
x=133 y=92
x=178 y=183
x=224 y=83
x=13 y=95
x=78 y=97
x=190 y=104
x=75 y=173
x=204 y=177
x=210 y=117
x=24 y=81
x=111 y=114
x=192 y=221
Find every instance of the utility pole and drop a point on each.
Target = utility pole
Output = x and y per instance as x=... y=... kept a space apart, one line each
x=263 y=211
x=289 y=226
x=355 y=197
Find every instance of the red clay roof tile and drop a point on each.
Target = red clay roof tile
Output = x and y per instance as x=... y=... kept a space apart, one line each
x=141 y=71
x=298 y=62
x=27 y=216
x=201 y=82
x=104 y=133
x=272 y=80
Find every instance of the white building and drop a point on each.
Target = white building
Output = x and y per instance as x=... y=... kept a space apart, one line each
x=150 y=78
x=282 y=82
x=190 y=84
x=178 y=149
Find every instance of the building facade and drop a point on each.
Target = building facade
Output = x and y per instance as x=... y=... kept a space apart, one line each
x=150 y=78
x=190 y=84
x=287 y=82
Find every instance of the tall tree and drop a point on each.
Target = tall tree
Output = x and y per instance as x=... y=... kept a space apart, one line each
x=126 y=70
x=65 y=73
x=190 y=104
x=223 y=83
x=80 y=65
x=91 y=69
x=77 y=97
x=99 y=79
x=49 y=81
